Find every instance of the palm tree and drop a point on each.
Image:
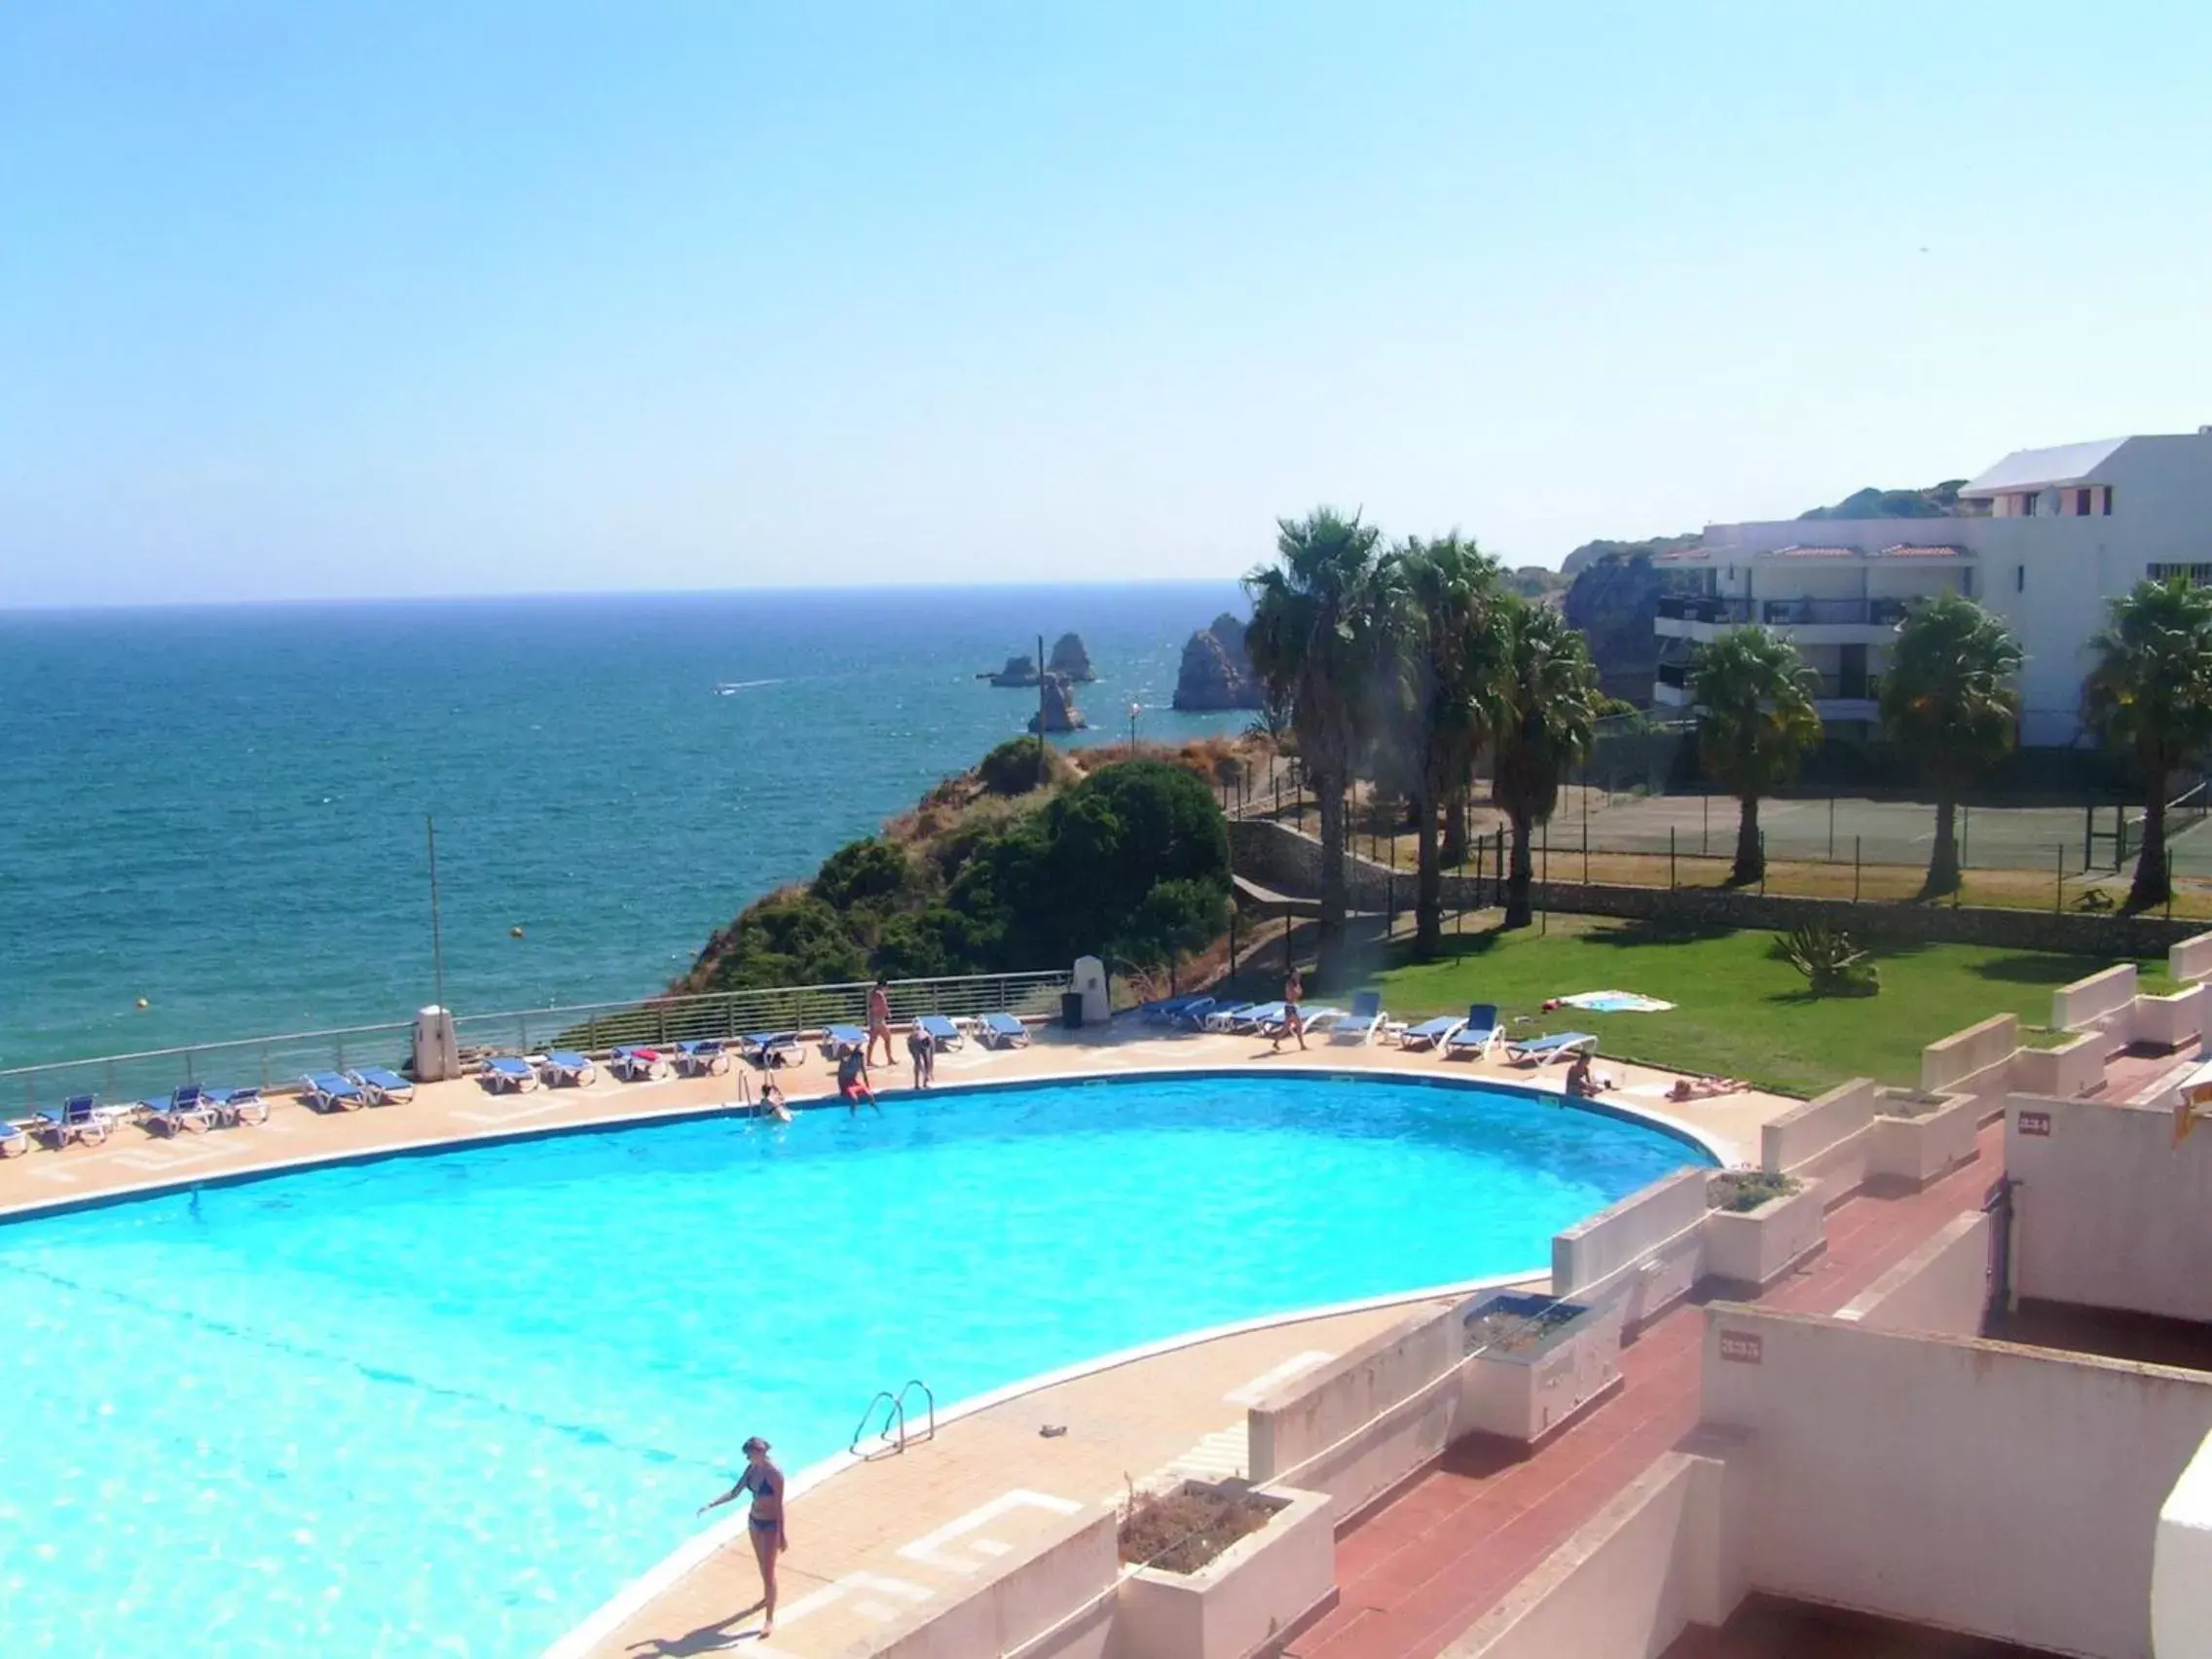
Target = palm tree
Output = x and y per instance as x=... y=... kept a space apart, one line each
x=1313 y=641
x=1442 y=602
x=1946 y=702
x=1756 y=721
x=2151 y=692
x=1545 y=714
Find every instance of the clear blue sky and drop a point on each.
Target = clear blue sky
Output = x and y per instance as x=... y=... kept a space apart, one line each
x=333 y=298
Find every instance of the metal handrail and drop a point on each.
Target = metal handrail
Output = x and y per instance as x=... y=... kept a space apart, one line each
x=265 y=1061
x=929 y=1400
x=897 y=1412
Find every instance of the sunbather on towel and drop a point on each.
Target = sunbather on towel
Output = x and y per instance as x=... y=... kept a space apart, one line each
x=1705 y=1087
x=852 y=1080
x=1584 y=1083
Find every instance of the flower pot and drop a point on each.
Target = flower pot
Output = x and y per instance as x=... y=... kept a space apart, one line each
x=1243 y=1599
x=1756 y=1247
x=2062 y=1073
x=1914 y=1148
x=1524 y=1387
x=2169 y=1023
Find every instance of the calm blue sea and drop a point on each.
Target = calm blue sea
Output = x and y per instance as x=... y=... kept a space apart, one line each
x=220 y=810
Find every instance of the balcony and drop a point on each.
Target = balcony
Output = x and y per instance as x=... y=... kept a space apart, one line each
x=1705 y=607
x=1837 y=696
x=1828 y=612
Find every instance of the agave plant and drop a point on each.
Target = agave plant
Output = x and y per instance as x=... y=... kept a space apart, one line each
x=1833 y=964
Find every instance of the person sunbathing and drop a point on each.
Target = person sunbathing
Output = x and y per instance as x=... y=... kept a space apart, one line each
x=1704 y=1087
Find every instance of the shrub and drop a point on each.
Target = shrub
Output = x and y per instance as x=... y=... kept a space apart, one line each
x=1832 y=965
x=1741 y=1190
x=1010 y=769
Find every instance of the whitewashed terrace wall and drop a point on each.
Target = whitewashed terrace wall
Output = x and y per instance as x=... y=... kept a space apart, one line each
x=2107 y=1212
x=2073 y=1068
x=1825 y=1139
x=1662 y=1222
x=1379 y=1383
x=2191 y=958
x=1942 y=1288
x=1969 y=1058
x=2096 y=1002
x=1069 y=1573
x=2169 y=1022
x=2000 y=1491
x=2181 y=1569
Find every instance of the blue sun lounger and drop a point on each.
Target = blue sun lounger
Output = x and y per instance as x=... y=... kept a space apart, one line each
x=1432 y=1033
x=633 y=1063
x=507 y=1074
x=82 y=1118
x=702 y=1056
x=187 y=1108
x=1477 y=1036
x=765 y=1050
x=234 y=1106
x=1191 y=1016
x=1542 y=1050
x=1164 y=1010
x=1002 y=1031
x=1363 y=1022
x=1245 y=1017
x=841 y=1037
x=940 y=1031
x=383 y=1088
x=328 y=1091
x=565 y=1068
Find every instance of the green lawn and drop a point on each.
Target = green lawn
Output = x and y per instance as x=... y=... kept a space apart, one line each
x=1739 y=1012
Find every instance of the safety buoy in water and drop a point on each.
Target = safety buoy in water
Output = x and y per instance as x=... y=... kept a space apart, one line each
x=515 y=932
x=143 y=1003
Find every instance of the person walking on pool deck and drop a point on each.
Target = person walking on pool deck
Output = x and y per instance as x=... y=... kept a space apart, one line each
x=921 y=1048
x=1293 y=1021
x=765 y=1482
x=879 y=1018
x=852 y=1080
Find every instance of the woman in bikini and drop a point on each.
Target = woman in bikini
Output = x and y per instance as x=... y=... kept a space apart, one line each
x=765 y=1482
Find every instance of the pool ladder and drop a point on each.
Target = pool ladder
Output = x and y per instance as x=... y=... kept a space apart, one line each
x=893 y=1437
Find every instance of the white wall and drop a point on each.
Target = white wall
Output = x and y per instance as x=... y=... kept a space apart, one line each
x=1961 y=1059
x=1998 y=1491
x=2181 y=1571
x=1823 y=1138
x=2107 y=1212
x=2191 y=958
x=2095 y=1000
x=1664 y=1220
x=1941 y=1288
x=1068 y=1574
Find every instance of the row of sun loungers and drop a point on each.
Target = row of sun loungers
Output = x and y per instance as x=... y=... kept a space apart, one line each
x=708 y=1056
x=1454 y=1037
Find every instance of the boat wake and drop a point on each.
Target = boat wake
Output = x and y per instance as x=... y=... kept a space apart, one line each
x=731 y=687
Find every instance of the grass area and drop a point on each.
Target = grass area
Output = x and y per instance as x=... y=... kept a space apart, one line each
x=1740 y=1012
x=2044 y=1036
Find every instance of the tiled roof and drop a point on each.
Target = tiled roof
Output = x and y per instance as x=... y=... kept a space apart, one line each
x=1814 y=553
x=1903 y=551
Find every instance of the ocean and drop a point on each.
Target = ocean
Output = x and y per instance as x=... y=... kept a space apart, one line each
x=220 y=810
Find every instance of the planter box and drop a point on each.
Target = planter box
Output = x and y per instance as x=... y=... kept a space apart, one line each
x=2065 y=1071
x=1756 y=1247
x=1524 y=1393
x=1244 y=1600
x=1916 y=1150
x=2169 y=1023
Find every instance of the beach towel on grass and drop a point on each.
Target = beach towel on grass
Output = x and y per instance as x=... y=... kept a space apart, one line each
x=1616 y=1002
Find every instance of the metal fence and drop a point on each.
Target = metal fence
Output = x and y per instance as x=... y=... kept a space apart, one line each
x=267 y=1061
x=275 y=1062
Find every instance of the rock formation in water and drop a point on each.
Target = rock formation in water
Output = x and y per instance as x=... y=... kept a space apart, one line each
x=1018 y=671
x=1059 y=713
x=1070 y=661
x=1216 y=674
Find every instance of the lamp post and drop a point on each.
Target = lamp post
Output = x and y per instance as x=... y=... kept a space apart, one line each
x=1133 y=707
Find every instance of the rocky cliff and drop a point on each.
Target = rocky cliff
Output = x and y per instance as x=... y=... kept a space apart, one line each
x=1215 y=673
x=1058 y=712
x=1070 y=661
x=1614 y=601
x=1018 y=671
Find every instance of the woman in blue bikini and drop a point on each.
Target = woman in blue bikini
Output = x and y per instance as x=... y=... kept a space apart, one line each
x=765 y=1482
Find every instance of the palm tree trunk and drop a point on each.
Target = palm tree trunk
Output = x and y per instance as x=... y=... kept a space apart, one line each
x=1454 y=852
x=2150 y=885
x=1428 y=886
x=1329 y=936
x=1518 y=912
x=1943 y=859
x=1751 y=857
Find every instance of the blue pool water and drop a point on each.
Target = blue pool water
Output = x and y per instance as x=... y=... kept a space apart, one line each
x=450 y=1404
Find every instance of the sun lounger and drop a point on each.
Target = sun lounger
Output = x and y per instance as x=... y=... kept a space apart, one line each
x=1432 y=1033
x=383 y=1088
x=81 y=1117
x=838 y=1038
x=564 y=1068
x=765 y=1050
x=187 y=1108
x=639 y=1065
x=328 y=1091
x=1363 y=1022
x=1245 y=1017
x=702 y=1056
x=1164 y=1010
x=1477 y=1036
x=14 y=1142
x=940 y=1031
x=1193 y=1015
x=507 y=1074
x=234 y=1106
x=1003 y=1031
x=1542 y=1050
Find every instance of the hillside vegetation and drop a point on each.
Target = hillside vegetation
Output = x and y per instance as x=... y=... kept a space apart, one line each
x=1017 y=864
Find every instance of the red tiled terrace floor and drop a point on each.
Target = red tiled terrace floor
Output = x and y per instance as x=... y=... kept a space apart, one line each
x=1415 y=1573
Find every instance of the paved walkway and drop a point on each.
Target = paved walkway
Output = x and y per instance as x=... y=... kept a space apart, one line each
x=1417 y=1573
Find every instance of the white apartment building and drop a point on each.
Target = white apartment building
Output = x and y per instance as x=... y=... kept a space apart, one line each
x=2045 y=539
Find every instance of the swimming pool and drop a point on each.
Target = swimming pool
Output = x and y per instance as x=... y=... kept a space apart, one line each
x=452 y=1403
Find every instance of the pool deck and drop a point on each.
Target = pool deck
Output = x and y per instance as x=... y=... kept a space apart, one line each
x=875 y=1542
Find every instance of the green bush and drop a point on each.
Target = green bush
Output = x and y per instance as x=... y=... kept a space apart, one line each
x=1010 y=769
x=1832 y=965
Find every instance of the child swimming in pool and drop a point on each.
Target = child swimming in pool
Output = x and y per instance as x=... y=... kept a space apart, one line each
x=772 y=1102
x=765 y=1482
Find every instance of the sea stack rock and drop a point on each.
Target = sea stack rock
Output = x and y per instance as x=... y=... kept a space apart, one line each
x=1216 y=674
x=1070 y=661
x=1018 y=671
x=1059 y=713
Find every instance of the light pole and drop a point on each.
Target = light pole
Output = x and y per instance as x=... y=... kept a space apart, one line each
x=1133 y=707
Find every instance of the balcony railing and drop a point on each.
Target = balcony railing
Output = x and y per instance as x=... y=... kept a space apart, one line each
x=1675 y=673
x=1870 y=612
x=1830 y=688
x=1687 y=608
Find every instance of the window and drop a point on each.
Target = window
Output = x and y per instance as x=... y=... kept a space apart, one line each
x=2108 y=500
x=2019 y=578
x=2082 y=503
x=2199 y=575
